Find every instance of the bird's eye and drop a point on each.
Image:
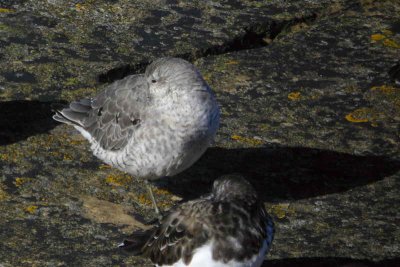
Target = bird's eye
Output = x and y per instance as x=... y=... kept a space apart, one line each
x=153 y=81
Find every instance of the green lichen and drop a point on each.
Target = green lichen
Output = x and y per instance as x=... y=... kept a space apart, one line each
x=71 y=81
x=3 y=194
x=281 y=210
x=6 y=10
x=78 y=93
x=4 y=28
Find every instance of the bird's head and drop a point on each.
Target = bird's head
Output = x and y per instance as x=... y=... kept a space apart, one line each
x=234 y=188
x=167 y=75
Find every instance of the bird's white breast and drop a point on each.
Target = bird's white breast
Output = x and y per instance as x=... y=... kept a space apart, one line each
x=203 y=258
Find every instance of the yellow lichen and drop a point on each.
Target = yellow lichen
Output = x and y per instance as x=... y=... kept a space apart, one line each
x=19 y=181
x=386 y=89
x=387 y=32
x=80 y=7
x=31 y=209
x=76 y=142
x=251 y=141
x=232 y=62
x=377 y=37
x=6 y=10
x=104 y=166
x=358 y=115
x=144 y=200
x=281 y=210
x=160 y=191
x=294 y=96
x=391 y=43
x=67 y=157
x=119 y=180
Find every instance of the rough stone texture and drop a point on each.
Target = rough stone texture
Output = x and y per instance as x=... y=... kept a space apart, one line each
x=312 y=119
x=59 y=49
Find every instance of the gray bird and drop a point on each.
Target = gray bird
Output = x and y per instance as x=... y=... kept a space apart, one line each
x=227 y=228
x=149 y=125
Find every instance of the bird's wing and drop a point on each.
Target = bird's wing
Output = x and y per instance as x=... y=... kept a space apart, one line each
x=177 y=237
x=111 y=116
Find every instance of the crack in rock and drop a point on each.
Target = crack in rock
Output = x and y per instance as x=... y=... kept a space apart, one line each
x=255 y=36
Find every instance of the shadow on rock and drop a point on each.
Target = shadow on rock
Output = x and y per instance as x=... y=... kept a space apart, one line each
x=283 y=172
x=21 y=119
x=330 y=262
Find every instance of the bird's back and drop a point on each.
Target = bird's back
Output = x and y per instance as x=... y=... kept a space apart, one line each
x=208 y=233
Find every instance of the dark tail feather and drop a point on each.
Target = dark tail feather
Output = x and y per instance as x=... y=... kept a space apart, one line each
x=135 y=242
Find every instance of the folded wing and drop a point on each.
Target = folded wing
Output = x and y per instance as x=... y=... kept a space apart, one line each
x=111 y=116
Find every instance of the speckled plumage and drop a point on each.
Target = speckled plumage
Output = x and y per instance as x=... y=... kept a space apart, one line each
x=149 y=125
x=227 y=228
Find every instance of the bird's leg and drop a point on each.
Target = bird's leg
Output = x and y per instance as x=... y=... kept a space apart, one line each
x=153 y=200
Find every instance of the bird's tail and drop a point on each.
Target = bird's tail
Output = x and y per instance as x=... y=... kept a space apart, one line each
x=75 y=114
x=135 y=242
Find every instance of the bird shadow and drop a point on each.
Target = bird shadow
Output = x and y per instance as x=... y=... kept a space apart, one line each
x=277 y=172
x=21 y=119
x=330 y=262
x=282 y=173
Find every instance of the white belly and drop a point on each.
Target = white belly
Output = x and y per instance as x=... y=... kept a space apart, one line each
x=203 y=258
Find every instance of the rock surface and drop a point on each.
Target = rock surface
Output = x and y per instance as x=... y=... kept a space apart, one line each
x=59 y=49
x=309 y=115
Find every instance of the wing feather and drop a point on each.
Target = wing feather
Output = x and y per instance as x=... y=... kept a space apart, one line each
x=174 y=238
x=112 y=115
